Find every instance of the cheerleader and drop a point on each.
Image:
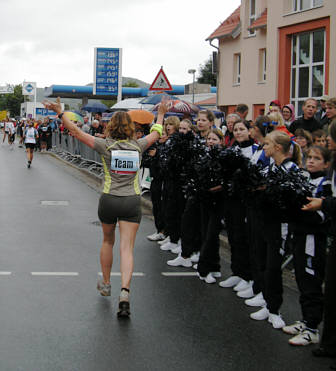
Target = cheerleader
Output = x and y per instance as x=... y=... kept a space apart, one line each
x=235 y=221
x=258 y=132
x=286 y=155
x=327 y=347
x=309 y=250
x=211 y=212
x=191 y=220
x=151 y=160
x=172 y=202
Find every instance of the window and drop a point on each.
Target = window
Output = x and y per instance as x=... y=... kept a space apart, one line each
x=262 y=66
x=305 y=4
x=252 y=16
x=237 y=69
x=308 y=66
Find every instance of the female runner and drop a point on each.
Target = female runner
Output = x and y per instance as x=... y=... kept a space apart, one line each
x=120 y=201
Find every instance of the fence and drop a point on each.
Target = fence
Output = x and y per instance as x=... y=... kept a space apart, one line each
x=75 y=152
x=72 y=150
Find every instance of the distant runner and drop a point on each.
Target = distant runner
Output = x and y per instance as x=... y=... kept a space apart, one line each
x=30 y=135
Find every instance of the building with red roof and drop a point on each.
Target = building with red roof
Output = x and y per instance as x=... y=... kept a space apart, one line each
x=275 y=50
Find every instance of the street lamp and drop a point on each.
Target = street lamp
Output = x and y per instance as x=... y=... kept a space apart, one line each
x=193 y=85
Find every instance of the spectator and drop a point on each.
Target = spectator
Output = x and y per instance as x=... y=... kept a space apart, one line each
x=307 y=121
x=86 y=126
x=242 y=111
x=96 y=128
x=139 y=131
x=278 y=122
x=304 y=139
x=288 y=114
x=319 y=138
x=321 y=116
x=231 y=119
x=330 y=112
x=275 y=106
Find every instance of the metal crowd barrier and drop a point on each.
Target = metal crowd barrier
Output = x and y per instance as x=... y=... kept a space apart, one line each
x=73 y=151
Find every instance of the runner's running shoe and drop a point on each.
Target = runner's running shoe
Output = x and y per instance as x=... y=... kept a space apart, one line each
x=103 y=288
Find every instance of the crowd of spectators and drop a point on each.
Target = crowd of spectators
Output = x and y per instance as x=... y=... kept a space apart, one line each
x=260 y=240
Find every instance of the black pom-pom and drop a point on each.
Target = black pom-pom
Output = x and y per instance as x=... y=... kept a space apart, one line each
x=286 y=191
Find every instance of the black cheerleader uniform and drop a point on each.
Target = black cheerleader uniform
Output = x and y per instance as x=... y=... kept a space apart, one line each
x=236 y=226
x=309 y=252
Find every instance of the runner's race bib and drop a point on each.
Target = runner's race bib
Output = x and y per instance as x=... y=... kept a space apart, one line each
x=125 y=162
x=44 y=129
x=30 y=136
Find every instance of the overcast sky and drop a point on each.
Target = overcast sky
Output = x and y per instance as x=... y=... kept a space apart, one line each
x=52 y=42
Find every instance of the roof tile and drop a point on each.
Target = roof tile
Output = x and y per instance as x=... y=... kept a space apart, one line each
x=228 y=26
x=261 y=21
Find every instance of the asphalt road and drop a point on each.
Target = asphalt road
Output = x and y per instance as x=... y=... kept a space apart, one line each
x=52 y=317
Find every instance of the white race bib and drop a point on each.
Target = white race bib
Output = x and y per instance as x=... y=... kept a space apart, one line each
x=125 y=162
x=30 y=136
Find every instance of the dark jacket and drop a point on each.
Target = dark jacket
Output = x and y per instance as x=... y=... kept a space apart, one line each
x=309 y=125
x=322 y=120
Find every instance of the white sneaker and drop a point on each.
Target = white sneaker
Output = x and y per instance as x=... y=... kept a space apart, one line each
x=246 y=294
x=243 y=285
x=230 y=282
x=216 y=274
x=167 y=239
x=257 y=301
x=180 y=262
x=177 y=250
x=276 y=320
x=260 y=315
x=168 y=246
x=195 y=266
x=195 y=257
x=208 y=279
x=305 y=337
x=156 y=237
x=294 y=329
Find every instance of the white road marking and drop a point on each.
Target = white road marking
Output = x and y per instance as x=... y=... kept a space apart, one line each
x=179 y=274
x=135 y=274
x=5 y=273
x=54 y=203
x=54 y=273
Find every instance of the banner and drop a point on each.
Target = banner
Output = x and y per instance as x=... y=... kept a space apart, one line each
x=3 y=115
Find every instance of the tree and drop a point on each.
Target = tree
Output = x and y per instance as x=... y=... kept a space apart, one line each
x=12 y=102
x=108 y=102
x=131 y=84
x=205 y=73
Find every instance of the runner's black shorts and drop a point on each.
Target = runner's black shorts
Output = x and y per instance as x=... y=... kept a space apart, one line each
x=12 y=138
x=125 y=208
x=30 y=145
